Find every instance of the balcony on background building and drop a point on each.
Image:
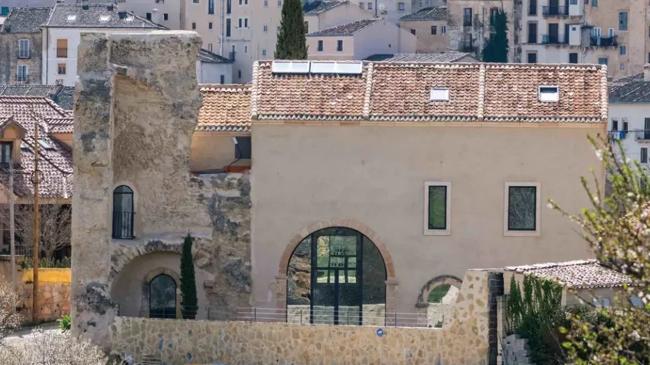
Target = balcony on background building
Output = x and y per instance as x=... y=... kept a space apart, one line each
x=555 y=10
x=466 y=45
x=642 y=135
x=618 y=135
x=604 y=41
x=554 y=39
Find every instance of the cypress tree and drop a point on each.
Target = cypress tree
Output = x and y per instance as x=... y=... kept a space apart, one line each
x=189 y=305
x=496 y=48
x=291 y=43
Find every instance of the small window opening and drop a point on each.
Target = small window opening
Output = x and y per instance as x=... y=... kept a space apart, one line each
x=439 y=94
x=549 y=93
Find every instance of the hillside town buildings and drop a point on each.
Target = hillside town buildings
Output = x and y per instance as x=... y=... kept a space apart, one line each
x=21 y=46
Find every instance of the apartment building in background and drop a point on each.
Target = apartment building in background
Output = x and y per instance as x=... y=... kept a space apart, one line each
x=323 y=15
x=62 y=32
x=629 y=115
x=594 y=31
x=359 y=40
x=470 y=23
x=429 y=26
x=21 y=46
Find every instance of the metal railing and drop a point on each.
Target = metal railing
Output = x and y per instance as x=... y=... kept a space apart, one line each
x=618 y=135
x=303 y=315
x=123 y=225
x=642 y=134
x=604 y=41
x=555 y=10
x=553 y=39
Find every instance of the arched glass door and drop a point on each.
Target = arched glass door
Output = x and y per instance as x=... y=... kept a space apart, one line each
x=336 y=276
x=162 y=297
x=123 y=212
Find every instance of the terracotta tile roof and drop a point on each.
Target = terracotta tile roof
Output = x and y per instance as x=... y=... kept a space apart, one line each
x=400 y=91
x=433 y=57
x=344 y=29
x=225 y=108
x=56 y=159
x=582 y=274
x=62 y=95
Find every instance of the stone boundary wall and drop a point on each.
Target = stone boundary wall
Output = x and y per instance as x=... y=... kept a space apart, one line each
x=54 y=301
x=464 y=341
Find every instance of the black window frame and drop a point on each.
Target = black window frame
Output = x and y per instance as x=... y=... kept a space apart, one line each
x=210 y=7
x=509 y=224
x=163 y=312
x=243 y=148
x=123 y=219
x=467 y=17
x=643 y=158
x=5 y=156
x=320 y=45
x=339 y=45
x=571 y=56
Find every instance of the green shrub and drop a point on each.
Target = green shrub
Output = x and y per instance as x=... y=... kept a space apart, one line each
x=65 y=322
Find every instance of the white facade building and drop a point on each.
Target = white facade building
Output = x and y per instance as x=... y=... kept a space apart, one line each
x=62 y=33
x=629 y=115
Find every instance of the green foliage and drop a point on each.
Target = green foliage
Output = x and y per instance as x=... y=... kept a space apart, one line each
x=65 y=322
x=439 y=292
x=291 y=43
x=47 y=263
x=496 y=48
x=617 y=226
x=189 y=305
x=537 y=316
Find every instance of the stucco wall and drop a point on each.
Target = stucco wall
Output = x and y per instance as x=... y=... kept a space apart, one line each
x=9 y=61
x=427 y=42
x=374 y=180
x=211 y=151
x=464 y=341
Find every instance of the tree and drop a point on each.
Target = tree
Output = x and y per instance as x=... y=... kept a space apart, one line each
x=189 y=305
x=496 y=48
x=617 y=227
x=291 y=43
x=55 y=226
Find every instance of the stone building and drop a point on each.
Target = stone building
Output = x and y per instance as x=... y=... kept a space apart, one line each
x=21 y=46
x=429 y=26
x=470 y=24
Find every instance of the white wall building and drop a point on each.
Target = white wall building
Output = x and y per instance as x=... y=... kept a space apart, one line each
x=213 y=69
x=332 y=13
x=62 y=32
x=629 y=115
x=359 y=40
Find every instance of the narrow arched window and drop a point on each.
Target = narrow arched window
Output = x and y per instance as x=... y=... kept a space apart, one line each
x=123 y=212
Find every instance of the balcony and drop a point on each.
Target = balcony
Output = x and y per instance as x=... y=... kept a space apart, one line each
x=642 y=135
x=604 y=41
x=617 y=135
x=466 y=45
x=555 y=10
x=553 y=39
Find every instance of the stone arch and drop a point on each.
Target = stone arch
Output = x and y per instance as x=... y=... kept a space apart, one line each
x=124 y=254
x=347 y=223
x=431 y=284
x=281 y=276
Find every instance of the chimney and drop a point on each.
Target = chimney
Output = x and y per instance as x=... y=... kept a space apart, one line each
x=646 y=72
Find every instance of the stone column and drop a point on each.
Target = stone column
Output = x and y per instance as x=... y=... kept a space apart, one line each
x=92 y=309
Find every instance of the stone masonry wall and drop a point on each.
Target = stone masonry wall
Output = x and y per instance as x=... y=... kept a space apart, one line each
x=464 y=341
x=53 y=302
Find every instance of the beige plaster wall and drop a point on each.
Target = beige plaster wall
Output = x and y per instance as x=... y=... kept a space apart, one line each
x=464 y=341
x=211 y=151
x=427 y=42
x=375 y=175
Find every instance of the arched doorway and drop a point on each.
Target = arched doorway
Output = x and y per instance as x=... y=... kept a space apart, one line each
x=336 y=276
x=162 y=297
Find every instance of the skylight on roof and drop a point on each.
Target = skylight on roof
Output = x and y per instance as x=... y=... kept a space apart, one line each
x=548 y=93
x=129 y=18
x=104 y=18
x=71 y=18
x=439 y=94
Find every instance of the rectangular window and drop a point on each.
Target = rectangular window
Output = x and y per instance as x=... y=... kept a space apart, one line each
x=522 y=207
x=62 y=48
x=240 y=21
x=622 y=50
x=439 y=94
x=165 y=17
x=22 y=73
x=228 y=23
x=61 y=68
x=532 y=7
x=443 y=29
x=594 y=3
x=434 y=30
x=369 y=6
x=265 y=28
x=210 y=25
x=243 y=148
x=614 y=125
x=222 y=79
x=644 y=155
x=339 y=45
x=320 y=46
x=549 y=93
x=467 y=17
x=573 y=57
x=622 y=20
x=5 y=152
x=148 y=16
x=532 y=33
x=210 y=6
x=361 y=6
x=531 y=57
x=193 y=26
x=437 y=204
x=401 y=6
x=602 y=61
x=4 y=11
x=245 y=22
x=625 y=125
x=413 y=31
x=228 y=6
x=24 y=48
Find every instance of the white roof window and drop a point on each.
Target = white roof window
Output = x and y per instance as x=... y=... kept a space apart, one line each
x=548 y=93
x=439 y=94
x=71 y=18
x=290 y=67
x=104 y=18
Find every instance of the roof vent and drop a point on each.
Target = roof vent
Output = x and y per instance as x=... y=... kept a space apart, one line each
x=342 y=68
x=104 y=18
x=290 y=67
x=129 y=18
x=439 y=94
x=71 y=18
x=548 y=94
